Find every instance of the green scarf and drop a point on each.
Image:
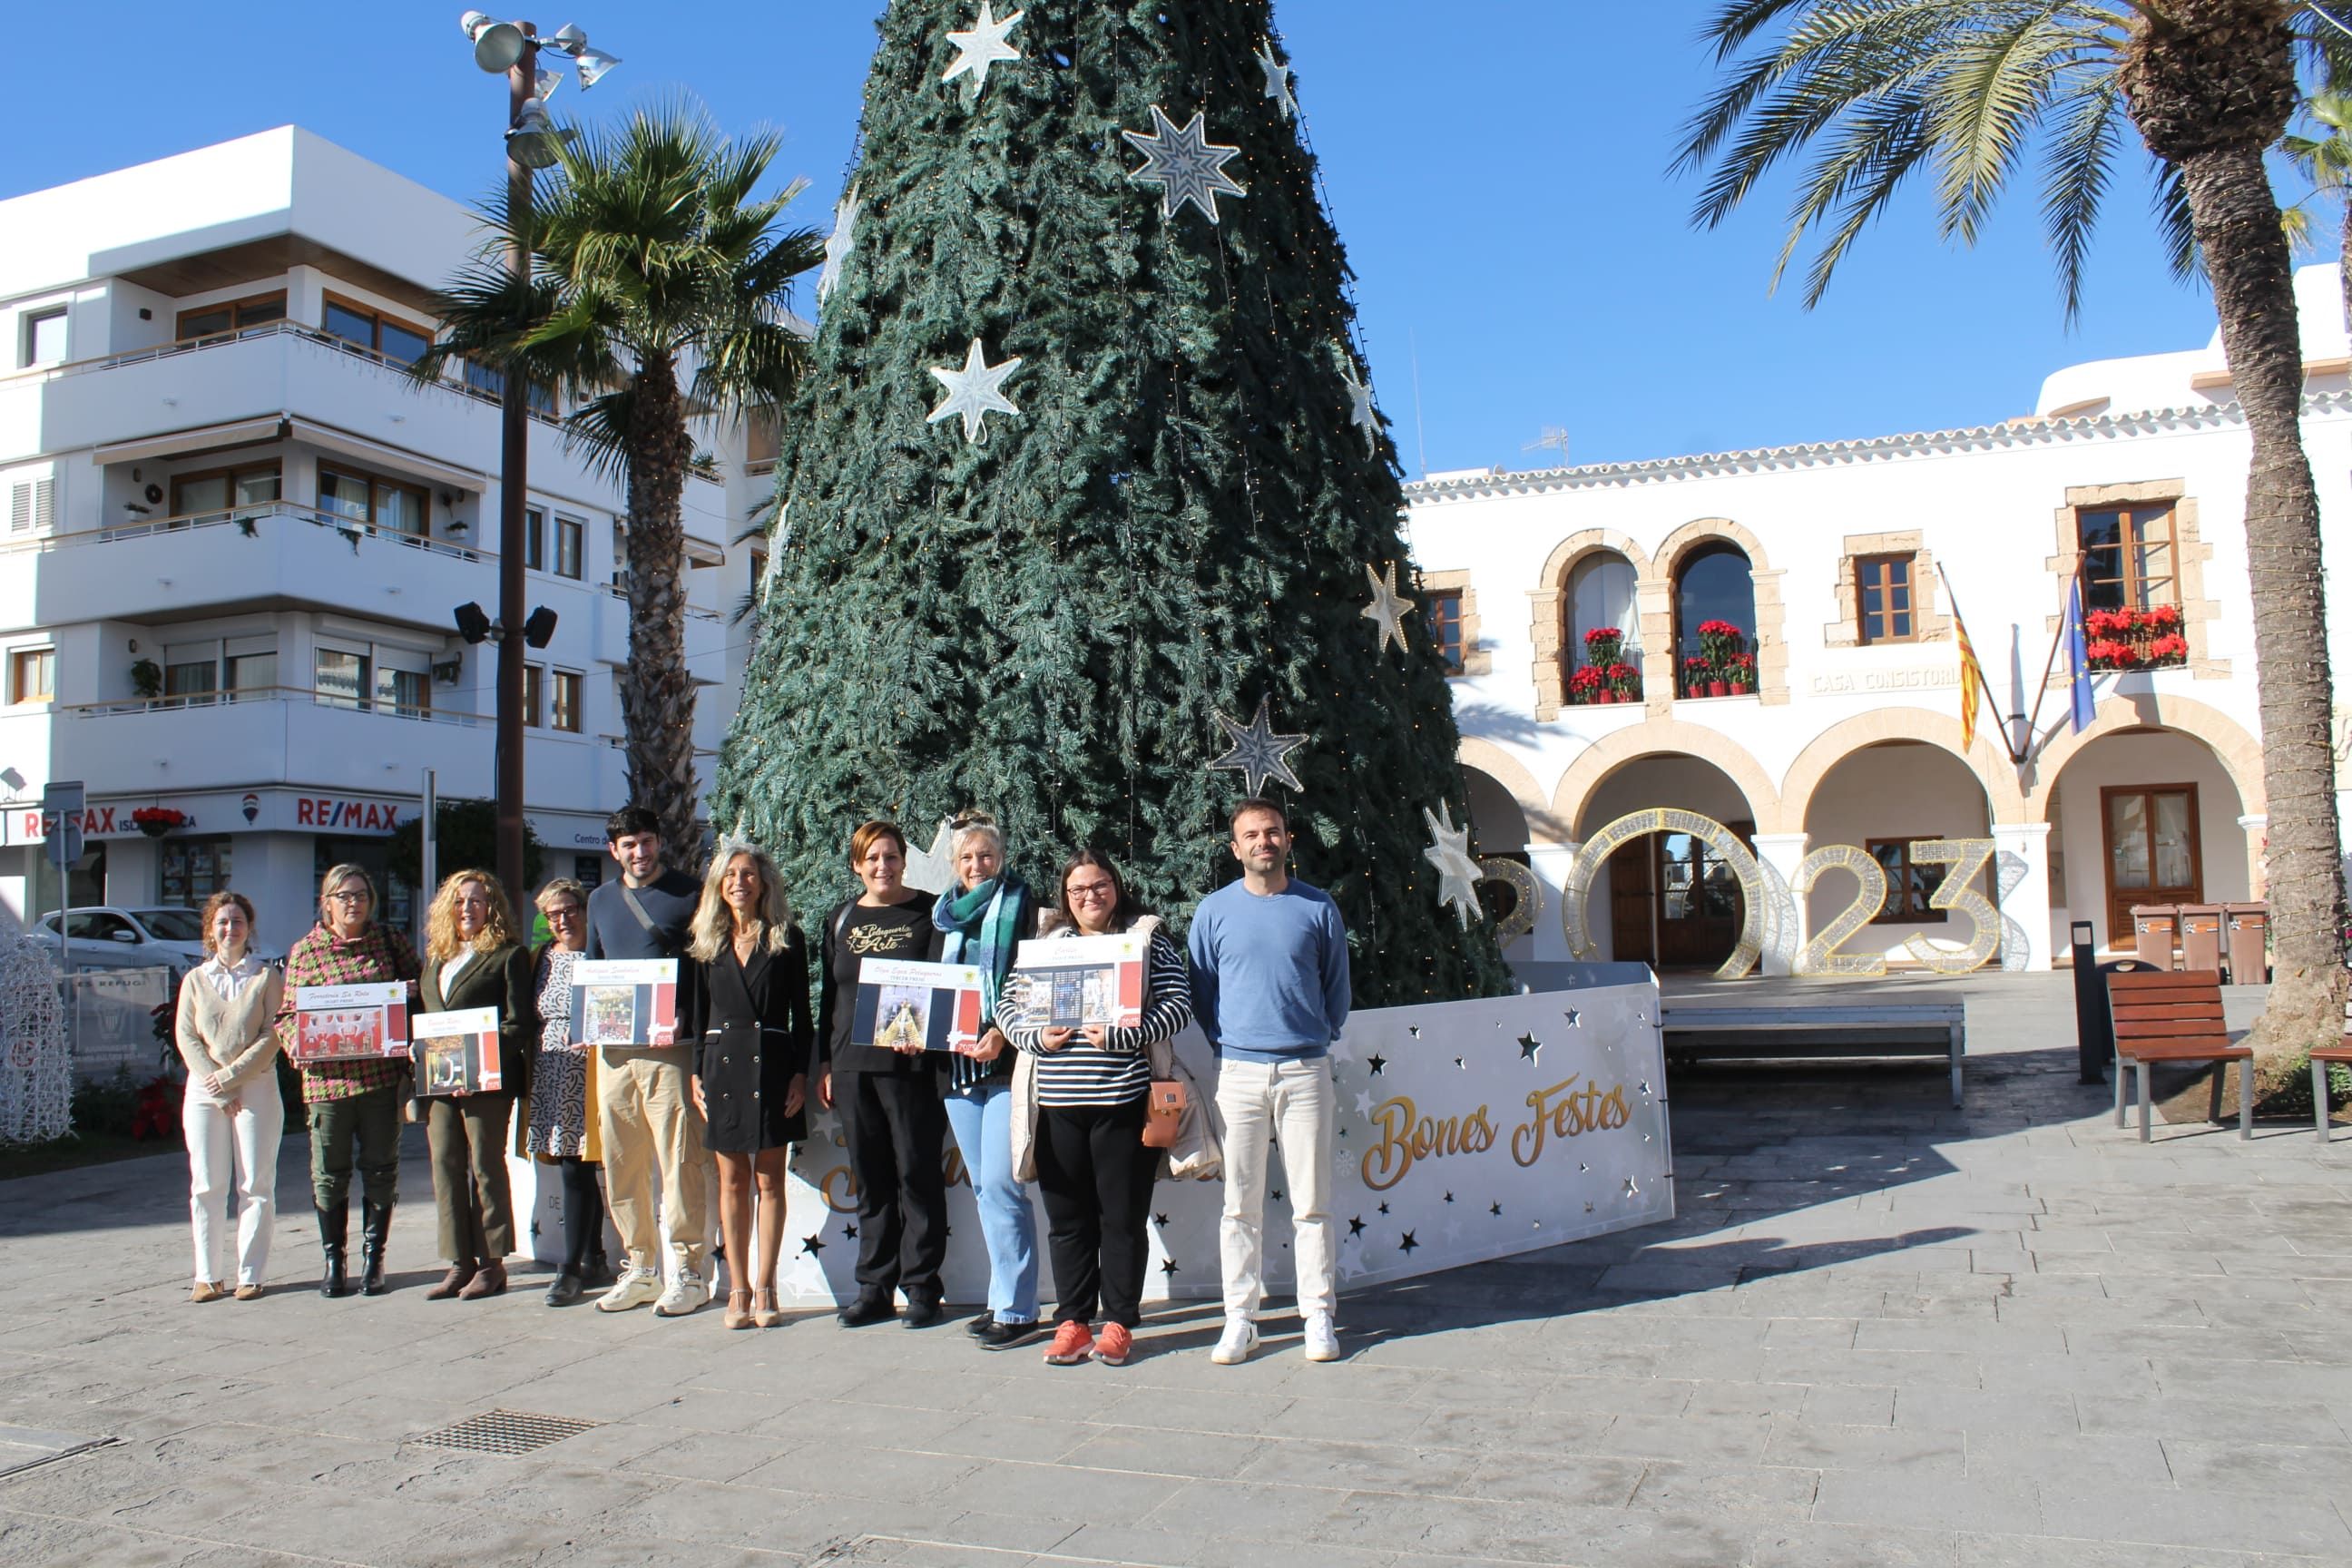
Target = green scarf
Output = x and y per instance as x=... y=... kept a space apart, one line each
x=984 y=925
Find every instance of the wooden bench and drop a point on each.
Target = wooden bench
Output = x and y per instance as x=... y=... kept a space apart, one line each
x=1809 y=1031
x=2320 y=1059
x=2176 y=1016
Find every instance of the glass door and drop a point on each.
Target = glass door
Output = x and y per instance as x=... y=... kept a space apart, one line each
x=2153 y=854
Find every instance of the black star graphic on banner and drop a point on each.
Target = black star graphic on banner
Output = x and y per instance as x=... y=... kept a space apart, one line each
x=1496 y=1211
x=1275 y=1196
x=1162 y=1219
x=1528 y=1046
x=1384 y=1209
x=850 y=1231
x=1575 y=1019
x=1167 y=1266
x=1407 y=1245
x=1449 y=1197
x=534 y=1227
x=1414 y=1029
x=1355 y=1228
x=812 y=1245
x=1376 y=1064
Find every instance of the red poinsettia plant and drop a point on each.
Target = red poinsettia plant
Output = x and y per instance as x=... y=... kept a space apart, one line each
x=1626 y=682
x=2136 y=639
x=155 y=821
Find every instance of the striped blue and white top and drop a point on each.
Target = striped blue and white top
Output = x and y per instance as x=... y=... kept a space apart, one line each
x=1116 y=1072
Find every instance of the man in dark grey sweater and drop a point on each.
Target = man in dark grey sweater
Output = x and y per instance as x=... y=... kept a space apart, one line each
x=645 y=1105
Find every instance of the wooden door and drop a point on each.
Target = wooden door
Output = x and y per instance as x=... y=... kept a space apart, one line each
x=1633 y=902
x=2154 y=856
x=1699 y=903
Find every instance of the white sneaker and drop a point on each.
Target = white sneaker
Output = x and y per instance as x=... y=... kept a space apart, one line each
x=687 y=1293
x=634 y=1288
x=1322 y=1338
x=1234 y=1345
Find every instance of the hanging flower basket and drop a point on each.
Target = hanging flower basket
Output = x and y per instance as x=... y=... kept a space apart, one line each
x=155 y=821
x=2121 y=640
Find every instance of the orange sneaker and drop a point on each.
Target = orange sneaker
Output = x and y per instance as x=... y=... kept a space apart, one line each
x=1112 y=1349
x=1072 y=1342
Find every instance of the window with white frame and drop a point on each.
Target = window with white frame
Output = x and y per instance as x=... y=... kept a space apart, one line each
x=32 y=504
x=44 y=337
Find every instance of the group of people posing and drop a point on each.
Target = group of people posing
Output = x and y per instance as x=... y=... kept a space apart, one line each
x=1064 y=1110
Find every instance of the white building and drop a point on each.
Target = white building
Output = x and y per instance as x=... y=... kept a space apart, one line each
x=1832 y=561
x=237 y=532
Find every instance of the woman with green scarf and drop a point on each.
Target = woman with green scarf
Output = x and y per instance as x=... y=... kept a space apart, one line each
x=983 y=919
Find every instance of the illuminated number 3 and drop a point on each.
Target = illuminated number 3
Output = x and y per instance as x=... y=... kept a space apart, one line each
x=1967 y=859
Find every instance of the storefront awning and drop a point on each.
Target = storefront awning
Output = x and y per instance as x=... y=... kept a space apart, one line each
x=204 y=439
x=383 y=454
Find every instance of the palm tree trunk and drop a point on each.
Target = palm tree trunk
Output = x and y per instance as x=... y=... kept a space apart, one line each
x=2245 y=248
x=2344 y=257
x=656 y=695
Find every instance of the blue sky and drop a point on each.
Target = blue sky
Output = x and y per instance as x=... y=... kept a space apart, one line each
x=1497 y=170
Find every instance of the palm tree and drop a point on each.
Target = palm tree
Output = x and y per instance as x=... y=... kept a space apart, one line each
x=1961 y=92
x=657 y=300
x=2325 y=159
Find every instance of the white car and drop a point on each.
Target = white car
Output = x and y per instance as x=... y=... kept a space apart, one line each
x=112 y=938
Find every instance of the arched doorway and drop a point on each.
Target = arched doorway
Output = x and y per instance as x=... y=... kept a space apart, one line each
x=1883 y=799
x=1672 y=901
x=2144 y=817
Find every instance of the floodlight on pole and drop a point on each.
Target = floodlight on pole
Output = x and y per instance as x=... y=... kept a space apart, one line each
x=496 y=44
x=534 y=140
x=592 y=65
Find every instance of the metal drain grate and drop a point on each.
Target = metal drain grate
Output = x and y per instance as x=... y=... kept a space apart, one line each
x=506 y=1432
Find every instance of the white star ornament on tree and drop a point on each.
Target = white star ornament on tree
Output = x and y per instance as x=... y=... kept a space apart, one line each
x=1449 y=851
x=973 y=392
x=1184 y=164
x=981 y=46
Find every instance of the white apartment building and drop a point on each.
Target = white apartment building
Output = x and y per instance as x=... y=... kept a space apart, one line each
x=237 y=532
x=1832 y=562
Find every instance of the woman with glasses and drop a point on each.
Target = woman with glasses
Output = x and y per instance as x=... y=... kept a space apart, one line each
x=561 y=1128
x=1087 y=1151
x=353 y=1106
x=472 y=960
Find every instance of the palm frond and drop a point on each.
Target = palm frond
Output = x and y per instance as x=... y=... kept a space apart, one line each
x=2176 y=225
x=2075 y=173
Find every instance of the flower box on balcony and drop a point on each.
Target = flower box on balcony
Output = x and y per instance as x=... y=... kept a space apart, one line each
x=2123 y=640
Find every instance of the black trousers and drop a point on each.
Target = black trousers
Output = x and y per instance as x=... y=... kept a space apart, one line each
x=1097 y=1177
x=897 y=1132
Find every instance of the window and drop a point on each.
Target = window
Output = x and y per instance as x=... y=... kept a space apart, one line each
x=534 y=524
x=533 y=676
x=387 y=504
x=217 y=322
x=1712 y=583
x=2127 y=557
x=251 y=672
x=32 y=504
x=566 y=715
x=343 y=678
x=191 y=673
x=406 y=692
x=33 y=675
x=98 y=925
x=492 y=383
x=195 y=868
x=218 y=491
x=45 y=338
x=1883 y=599
x=1600 y=597
x=1909 y=883
x=620 y=554
x=1443 y=610
x=762 y=439
x=567 y=547
x=371 y=329
x=759 y=575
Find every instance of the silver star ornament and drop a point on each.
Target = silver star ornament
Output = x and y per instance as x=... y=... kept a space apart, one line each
x=981 y=46
x=933 y=870
x=1184 y=164
x=1449 y=851
x=1278 y=80
x=1388 y=609
x=1257 y=752
x=839 y=243
x=1360 y=402
x=973 y=392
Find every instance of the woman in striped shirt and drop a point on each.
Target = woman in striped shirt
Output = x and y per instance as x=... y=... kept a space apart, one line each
x=1090 y=1086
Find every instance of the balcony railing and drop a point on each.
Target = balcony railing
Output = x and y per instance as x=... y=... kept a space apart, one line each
x=248 y=520
x=386 y=707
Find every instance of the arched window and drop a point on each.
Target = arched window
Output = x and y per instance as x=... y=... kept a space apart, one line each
x=1713 y=584
x=1601 y=597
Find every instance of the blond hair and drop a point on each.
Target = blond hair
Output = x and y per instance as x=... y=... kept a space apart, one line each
x=441 y=941
x=714 y=921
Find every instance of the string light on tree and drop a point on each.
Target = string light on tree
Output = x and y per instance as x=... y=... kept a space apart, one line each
x=1184 y=164
x=980 y=46
x=1257 y=752
x=973 y=393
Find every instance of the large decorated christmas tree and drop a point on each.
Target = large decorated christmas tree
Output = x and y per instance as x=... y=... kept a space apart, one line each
x=1086 y=515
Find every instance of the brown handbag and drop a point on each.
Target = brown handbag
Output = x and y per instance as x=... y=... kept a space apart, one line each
x=1163 y=1113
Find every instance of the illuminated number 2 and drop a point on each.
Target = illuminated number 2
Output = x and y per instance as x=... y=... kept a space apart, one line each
x=1820 y=956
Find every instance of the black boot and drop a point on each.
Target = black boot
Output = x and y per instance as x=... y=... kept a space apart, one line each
x=598 y=1270
x=375 y=1229
x=334 y=1230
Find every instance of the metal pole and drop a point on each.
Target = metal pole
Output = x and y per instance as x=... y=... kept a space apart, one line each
x=514 y=479
x=2095 y=1034
x=429 y=849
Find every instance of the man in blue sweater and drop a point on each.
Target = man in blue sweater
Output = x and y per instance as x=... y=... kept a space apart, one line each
x=1270 y=990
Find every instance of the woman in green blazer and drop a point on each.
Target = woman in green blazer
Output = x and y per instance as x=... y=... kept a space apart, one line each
x=473 y=959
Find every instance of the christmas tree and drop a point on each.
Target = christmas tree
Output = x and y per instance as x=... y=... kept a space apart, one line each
x=1086 y=516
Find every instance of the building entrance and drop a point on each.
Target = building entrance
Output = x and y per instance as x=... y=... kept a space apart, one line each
x=1672 y=902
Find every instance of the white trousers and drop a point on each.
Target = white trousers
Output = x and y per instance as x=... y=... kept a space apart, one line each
x=1290 y=1102
x=233 y=1142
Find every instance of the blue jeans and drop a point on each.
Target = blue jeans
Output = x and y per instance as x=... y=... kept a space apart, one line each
x=982 y=1117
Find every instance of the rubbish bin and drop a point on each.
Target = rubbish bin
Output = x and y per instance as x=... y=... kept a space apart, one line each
x=2200 y=937
x=2249 y=930
x=2154 y=926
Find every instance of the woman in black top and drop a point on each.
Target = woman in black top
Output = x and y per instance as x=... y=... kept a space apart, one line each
x=750 y=1016
x=888 y=1101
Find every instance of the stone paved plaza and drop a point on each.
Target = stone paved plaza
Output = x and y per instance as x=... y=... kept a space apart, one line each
x=1882 y=1332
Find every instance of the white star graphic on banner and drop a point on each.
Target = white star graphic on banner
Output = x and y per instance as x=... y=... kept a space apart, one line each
x=972 y=392
x=981 y=47
x=1184 y=164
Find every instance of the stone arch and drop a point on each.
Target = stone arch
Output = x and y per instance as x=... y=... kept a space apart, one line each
x=1844 y=739
x=1665 y=736
x=1656 y=591
x=1512 y=774
x=1547 y=604
x=2240 y=753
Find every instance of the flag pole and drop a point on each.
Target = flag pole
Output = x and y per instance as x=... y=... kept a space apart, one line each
x=1969 y=653
x=2050 y=668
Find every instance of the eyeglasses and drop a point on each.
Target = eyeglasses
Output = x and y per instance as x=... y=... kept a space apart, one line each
x=564 y=912
x=1091 y=890
x=361 y=898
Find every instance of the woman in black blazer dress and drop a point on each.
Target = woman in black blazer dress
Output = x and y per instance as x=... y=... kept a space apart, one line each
x=750 y=1005
x=473 y=959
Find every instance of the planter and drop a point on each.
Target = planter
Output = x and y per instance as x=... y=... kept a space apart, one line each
x=155 y=829
x=1718 y=688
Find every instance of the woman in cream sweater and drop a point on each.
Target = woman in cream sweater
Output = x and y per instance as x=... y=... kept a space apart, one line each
x=231 y=1115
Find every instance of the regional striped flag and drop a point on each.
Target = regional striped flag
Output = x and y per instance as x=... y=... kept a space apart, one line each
x=1972 y=682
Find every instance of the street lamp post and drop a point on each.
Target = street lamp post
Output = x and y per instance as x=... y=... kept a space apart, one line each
x=513 y=48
